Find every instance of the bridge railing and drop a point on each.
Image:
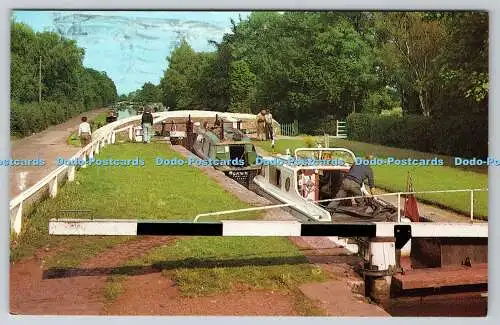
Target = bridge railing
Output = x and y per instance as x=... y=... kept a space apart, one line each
x=50 y=183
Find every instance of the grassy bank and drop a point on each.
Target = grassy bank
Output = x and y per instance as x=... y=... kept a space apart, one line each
x=208 y=265
x=147 y=192
x=393 y=178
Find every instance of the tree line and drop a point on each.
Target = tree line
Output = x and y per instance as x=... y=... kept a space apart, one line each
x=317 y=67
x=49 y=83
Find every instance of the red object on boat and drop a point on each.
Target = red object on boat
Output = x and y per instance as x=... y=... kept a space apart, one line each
x=411 y=207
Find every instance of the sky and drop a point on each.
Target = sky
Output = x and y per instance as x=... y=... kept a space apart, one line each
x=132 y=46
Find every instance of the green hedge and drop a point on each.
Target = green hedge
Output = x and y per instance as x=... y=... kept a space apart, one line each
x=29 y=118
x=462 y=136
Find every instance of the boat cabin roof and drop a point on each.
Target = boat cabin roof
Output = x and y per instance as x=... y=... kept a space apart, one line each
x=290 y=162
x=315 y=158
x=228 y=137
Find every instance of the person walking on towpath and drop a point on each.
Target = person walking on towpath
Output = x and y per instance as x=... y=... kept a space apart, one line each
x=147 y=125
x=84 y=132
x=352 y=183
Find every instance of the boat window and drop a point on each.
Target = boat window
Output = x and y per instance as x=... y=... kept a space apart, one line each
x=287 y=184
x=274 y=176
x=205 y=146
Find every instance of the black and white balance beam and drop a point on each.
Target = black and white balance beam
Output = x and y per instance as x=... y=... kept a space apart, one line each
x=122 y=227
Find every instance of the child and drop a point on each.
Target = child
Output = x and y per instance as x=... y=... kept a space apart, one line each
x=84 y=132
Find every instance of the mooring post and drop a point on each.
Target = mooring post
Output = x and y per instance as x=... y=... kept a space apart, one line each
x=382 y=257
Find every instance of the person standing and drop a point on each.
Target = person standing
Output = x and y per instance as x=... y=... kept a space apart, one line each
x=269 y=125
x=147 y=125
x=84 y=132
x=111 y=117
x=353 y=182
x=261 y=124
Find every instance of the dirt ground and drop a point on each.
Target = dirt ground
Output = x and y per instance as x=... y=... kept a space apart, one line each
x=79 y=291
x=163 y=298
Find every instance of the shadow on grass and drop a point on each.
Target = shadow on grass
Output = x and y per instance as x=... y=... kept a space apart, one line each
x=187 y=263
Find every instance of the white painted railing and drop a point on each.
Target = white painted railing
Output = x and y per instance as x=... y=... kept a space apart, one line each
x=398 y=194
x=101 y=137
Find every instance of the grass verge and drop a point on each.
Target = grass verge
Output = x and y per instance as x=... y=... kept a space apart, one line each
x=425 y=178
x=208 y=265
x=113 y=289
x=306 y=306
x=144 y=192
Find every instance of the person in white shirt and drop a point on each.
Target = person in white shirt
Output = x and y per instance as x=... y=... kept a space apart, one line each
x=84 y=132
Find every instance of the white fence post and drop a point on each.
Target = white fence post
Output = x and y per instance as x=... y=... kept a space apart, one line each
x=130 y=133
x=16 y=218
x=71 y=173
x=53 y=187
x=84 y=158
x=471 y=205
x=113 y=137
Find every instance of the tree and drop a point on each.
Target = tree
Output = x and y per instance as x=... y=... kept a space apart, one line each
x=149 y=93
x=179 y=77
x=67 y=87
x=465 y=59
x=414 y=45
x=242 y=88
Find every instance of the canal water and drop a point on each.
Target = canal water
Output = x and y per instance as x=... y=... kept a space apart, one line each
x=460 y=304
x=124 y=113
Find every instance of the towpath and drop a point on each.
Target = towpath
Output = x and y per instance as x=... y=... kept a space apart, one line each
x=47 y=145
